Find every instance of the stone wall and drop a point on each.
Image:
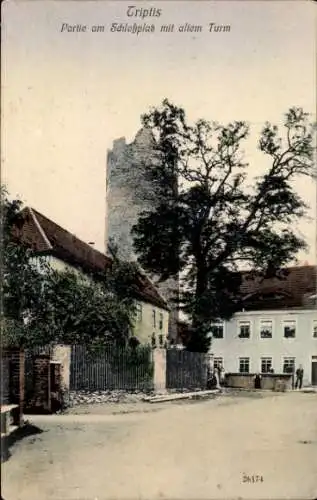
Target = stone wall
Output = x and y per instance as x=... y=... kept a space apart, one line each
x=268 y=381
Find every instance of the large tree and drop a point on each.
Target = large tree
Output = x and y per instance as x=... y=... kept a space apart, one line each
x=41 y=305
x=212 y=222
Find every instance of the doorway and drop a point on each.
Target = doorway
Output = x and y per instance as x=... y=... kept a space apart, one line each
x=314 y=370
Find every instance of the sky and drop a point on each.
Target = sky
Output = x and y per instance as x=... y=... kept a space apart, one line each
x=66 y=95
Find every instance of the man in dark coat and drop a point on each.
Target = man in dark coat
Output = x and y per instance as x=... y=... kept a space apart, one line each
x=257 y=381
x=299 y=377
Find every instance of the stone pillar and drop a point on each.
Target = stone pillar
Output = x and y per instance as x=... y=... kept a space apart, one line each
x=62 y=354
x=42 y=383
x=159 y=358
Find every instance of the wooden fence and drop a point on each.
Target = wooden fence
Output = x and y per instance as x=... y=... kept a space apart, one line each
x=111 y=368
x=186 y=370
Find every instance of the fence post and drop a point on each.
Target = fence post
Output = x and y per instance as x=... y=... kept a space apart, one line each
x=159 y=359
x=21 y=386
x=62 y=355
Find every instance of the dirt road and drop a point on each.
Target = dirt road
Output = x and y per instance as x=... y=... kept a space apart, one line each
x=232 y=447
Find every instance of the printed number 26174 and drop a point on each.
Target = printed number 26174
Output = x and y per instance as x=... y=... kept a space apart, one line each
x=253 y=478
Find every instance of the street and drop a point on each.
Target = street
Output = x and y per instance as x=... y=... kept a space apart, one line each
x=230 y=447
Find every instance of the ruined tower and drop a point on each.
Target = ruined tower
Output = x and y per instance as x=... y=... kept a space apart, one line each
x=129 y=192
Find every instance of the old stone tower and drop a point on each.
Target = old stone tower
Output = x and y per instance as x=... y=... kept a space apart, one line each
x=129 y=192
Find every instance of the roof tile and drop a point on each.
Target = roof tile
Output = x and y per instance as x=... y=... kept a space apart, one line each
x=46 y=237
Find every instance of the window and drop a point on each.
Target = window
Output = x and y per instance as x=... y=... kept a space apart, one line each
x=161 y=340
x=266 y=328
x=218 y=362
x=244 y=365
x=289 y=328
x=315 y=328
x=244 y=329
x=154 y=318
x=217 y=331
x=289 y=365
x=266 y=365
x=161 y=321
x=139 y=311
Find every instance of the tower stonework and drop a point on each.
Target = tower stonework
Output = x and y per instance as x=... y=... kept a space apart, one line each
x=129 y=192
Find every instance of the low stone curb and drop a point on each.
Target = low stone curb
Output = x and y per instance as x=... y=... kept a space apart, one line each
x=172 y=397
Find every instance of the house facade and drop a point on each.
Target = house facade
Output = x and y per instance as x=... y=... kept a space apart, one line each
x=151 y=324
x=63 y=250
x=277 y=328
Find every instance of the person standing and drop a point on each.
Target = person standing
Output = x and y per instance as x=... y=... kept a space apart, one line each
x=222 y=375
x=299 y=377
x=257 y=381
x=213 y=383
x=218 y=375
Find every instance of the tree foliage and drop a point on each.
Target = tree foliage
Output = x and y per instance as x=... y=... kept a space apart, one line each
x=23 y=282
x=209 y=221
x=41 y=305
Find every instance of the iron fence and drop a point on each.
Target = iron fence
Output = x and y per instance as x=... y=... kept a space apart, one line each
x=111 y=368
x=186 y=370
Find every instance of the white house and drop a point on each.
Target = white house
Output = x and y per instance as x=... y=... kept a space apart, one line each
x=277 y=327
x=64 y=250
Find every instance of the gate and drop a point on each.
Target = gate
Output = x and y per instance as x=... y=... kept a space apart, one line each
x=185 y=369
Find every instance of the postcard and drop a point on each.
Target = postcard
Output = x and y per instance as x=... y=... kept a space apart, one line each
x=159 y=298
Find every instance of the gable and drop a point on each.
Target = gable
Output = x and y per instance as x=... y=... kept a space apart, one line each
x=45 y=237
x=31 y=233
